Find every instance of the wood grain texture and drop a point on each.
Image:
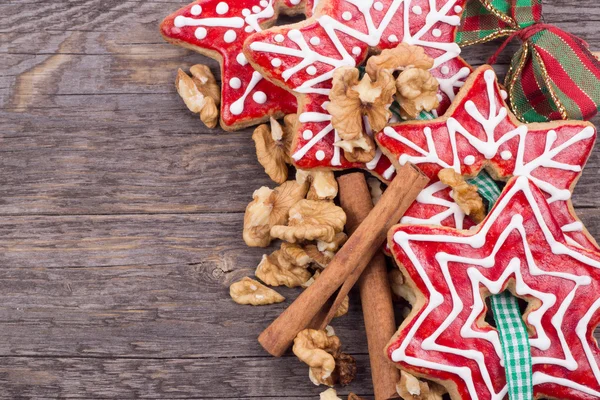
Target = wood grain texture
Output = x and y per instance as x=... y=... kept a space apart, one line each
x=121 y=215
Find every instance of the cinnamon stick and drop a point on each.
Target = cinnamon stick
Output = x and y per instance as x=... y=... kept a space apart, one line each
x=375 y=291
x=354 y=255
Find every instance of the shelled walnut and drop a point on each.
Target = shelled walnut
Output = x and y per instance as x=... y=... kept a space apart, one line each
x=249 y=291
x=311 y=220
x=273 y=144
x=321 y=352
x=201 y=93
x=269 y=208
x=410 y=387
x=323 y=185
x=275 y=270
x=465 y=195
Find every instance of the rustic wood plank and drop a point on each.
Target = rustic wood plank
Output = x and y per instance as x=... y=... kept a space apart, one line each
x=214 y=378
x=131 y=305
x=133 y=162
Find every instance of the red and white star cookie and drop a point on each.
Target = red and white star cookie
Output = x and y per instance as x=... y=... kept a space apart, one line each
x=519 y=247
x=479 y=132
x=302 y=58
x=217 y=29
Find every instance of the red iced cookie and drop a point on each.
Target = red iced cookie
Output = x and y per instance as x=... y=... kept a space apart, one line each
x=302 y=58
x=217 y=29
x=521 y=247
x=479 y=132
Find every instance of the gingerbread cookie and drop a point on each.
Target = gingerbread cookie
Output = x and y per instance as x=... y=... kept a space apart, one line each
x=479 y=132
x=520 y=247
x=217 y=29
x=302 y=58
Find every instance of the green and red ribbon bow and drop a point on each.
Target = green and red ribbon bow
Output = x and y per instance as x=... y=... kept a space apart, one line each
x=554 y=75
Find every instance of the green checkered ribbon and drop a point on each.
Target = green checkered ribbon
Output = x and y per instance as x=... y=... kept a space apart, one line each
x=487 y=188
x=515 y=346
x=553 y=76
x=509 y=322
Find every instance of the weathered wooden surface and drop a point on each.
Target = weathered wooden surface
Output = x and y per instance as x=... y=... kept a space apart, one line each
x=121 y=216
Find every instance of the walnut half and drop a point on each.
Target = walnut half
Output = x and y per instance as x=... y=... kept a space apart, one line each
x=311 y=220
x=465 y=195
x=329 y=394
x=201 y=93
x=272 y=149
x=351 y=99
x=411 y=388
x=275 y=270
x=249 y=291
x=323 y=185
x=316 y=349
x=417 y=91
x=269 y=208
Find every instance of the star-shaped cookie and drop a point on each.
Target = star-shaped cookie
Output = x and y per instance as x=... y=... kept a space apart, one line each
x=302 y=58
x=480 y=132
x=519 y=247
x=217 y=29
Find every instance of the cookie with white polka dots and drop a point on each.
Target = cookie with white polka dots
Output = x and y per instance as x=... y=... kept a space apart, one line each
x=217 y=29
x=342 y=33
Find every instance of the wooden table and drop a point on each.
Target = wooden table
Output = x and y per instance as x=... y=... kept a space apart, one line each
x=121 y=215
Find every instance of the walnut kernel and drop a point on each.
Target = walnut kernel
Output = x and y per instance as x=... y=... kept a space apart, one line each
x=274 y=270
x=272 y=150
x=397 y=59
x=329 y=394
x=317 y=349
x=417 y=91
x=249 y=291
x=269 y=208
x=465 y=195
x=352 y=99
x=311 y=220
x=201 y=93
x=323 y=185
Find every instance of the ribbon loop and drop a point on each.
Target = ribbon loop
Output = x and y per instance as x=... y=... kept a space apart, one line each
x=552 y=76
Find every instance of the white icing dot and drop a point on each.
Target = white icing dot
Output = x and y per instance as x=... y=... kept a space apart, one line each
x=230 y=36
x=378 y=6
x=469 y=160
x=436 y=32
x=200 y=33
x=506 y=155
x=246 y=12
x=256 y=9
x=249 y=29
x=311 y=70
x=279 y=38
x=235 y=83
x=440 y=97
x=276 y=62
x=179 y=21
x=196 y=9
x=222 y=8
x=264 y=3
x=393 y=38
x=259 y=97
x=295 y=2
x=504 y=94
x=458 y=9
x=307 y=134
x=417 y=10
x=356 y=50
x=445 y=70
x=320 y=155
x=241 y=59
x=347 y=16
x=315 y=41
